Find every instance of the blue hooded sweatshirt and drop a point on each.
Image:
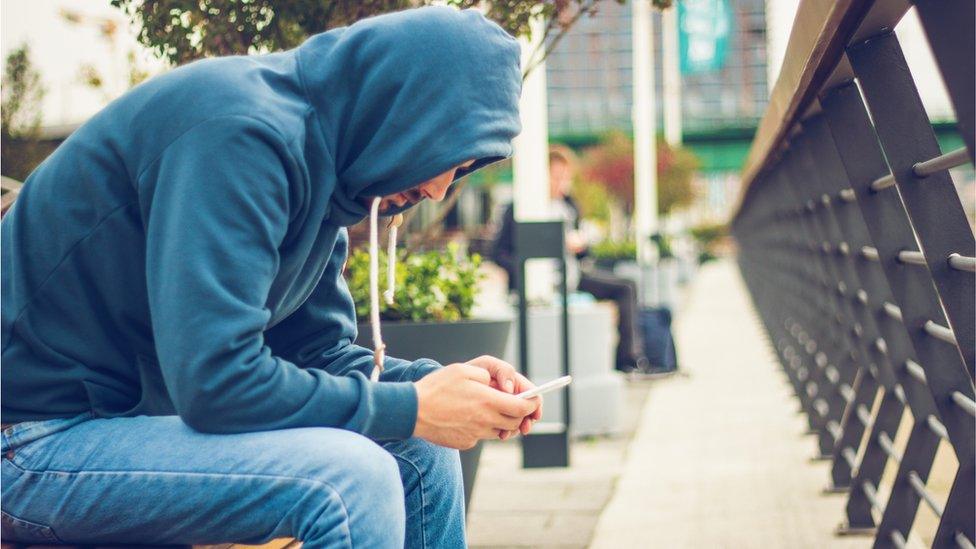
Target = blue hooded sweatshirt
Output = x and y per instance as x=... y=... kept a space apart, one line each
x=182 y=252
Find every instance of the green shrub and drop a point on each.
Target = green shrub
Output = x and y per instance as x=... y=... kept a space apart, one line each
x=614 y=250
x=708 y=233
x=430 y=286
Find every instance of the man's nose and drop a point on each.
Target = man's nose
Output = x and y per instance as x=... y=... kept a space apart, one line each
x=439 y=187
x=438 y=192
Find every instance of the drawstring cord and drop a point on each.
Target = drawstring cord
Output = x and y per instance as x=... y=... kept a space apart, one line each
x=379 y=348
x=395 y=222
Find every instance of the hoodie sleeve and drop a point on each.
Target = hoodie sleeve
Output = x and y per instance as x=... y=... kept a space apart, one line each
x=216 y=208
x=320 y=333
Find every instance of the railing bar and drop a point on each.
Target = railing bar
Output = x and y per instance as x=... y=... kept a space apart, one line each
x=846 y=392
x=881 y=345
x=900 y=395
x=872 y=494
x=849 y=456
x=870 y=252
x=952 y=159
x=919 y=486
x=821 y=406
x=937 y=427
x=916 y=371
x=882 y=183
x=832 y=374
x=864 y=415
x=963 y=542
x=835 y=430
x=894 y=311
x=889 y=447
x=964 y=402
x=898 y=539
x=962 y=263
x=911 y=257
x=939 y=331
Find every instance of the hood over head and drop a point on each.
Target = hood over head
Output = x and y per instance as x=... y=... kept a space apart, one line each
x=406 y=96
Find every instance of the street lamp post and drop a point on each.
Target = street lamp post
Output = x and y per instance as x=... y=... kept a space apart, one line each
x=645 y=155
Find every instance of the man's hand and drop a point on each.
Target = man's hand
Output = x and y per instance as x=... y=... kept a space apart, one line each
x=506 y=379
x=575 y=242
x=456 y=406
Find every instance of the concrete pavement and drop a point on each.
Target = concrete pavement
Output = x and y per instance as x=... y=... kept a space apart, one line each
x=713 y=457
x=720 y=458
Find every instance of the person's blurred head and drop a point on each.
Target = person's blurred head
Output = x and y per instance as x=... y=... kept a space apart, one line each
x=562 y=168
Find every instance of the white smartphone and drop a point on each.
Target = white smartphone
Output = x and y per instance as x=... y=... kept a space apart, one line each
x=546 y=387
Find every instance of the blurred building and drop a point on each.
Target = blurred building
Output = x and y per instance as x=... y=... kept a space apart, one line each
x=590 y=89
x=590 y=81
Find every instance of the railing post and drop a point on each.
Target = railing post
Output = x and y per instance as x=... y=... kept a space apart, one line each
x=932 y=202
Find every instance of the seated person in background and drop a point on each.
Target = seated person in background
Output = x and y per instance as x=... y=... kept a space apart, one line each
x=599 y=283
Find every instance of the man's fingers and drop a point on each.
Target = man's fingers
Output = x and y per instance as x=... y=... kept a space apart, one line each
x=478 y=374
x=502 y=372
x=513 y=406
x=537 y=414
x=505 y=435
x=523 y=382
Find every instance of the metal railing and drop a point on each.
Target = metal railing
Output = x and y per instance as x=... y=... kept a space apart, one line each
x=860 y=259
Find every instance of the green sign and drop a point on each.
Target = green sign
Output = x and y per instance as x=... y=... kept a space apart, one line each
x=704 y=27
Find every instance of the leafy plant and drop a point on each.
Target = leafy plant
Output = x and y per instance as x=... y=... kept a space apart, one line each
x=614 y=250
x=20 y=116
x=663 y=243
x=430 y=286
x=708 y=236
x=708 y=233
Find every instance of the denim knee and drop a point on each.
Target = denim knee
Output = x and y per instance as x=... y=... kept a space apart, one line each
x=367 y=487
x=439 y=466
x=446 y=462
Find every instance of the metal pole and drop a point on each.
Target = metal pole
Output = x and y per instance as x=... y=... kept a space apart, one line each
x=672 y=76
x=645 y=155
x=530 y=163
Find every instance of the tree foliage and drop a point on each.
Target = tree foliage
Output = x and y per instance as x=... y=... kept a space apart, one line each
x=20 y=115
x=611 y=164
x=184 y=30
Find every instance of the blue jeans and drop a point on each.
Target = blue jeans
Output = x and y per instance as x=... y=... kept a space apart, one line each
x=155 y=480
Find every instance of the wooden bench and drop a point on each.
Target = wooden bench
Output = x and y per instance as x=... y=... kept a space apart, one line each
x=276 y=544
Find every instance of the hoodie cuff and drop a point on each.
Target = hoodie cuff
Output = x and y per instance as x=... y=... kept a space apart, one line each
x=395 y=411
x=423 y=367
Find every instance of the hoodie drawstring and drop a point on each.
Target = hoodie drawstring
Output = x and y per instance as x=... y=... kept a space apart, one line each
x=379 y=349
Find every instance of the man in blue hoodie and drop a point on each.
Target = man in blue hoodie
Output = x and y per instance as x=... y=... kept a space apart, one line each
x=177 y=351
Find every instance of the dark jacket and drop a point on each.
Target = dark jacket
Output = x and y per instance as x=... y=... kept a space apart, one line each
x=503 y=251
